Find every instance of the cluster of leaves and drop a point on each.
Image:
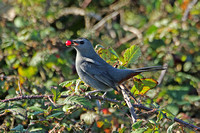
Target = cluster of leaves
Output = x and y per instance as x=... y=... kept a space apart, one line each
x=33 y=58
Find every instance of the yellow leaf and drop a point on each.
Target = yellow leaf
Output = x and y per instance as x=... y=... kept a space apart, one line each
x=144 y=90
x=100 y=124
x=27 y=72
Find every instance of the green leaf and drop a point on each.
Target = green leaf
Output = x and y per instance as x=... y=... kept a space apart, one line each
x=138 y=84
x=56 y=94
x=160 y=116
x=152 y=30
x=36 y=113
x=168 y=114
x=151 y=83
x=137 y=124
x=35 y=108
x=142 y=85
x=174 y=109
x=19 y=112
x=18 y=128
x=78 y=100
x=68 y=83
x=55 y=114
x=113 y=52
x=37 y=130
x=140 y=130
x=131 y=55
x=38 y=58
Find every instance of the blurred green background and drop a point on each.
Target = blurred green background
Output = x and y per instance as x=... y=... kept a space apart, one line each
x=33 y=54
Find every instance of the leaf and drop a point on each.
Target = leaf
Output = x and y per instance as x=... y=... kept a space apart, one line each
x=67 y=107
x=138 y=84
x=151 y=30
x=160 y=116
x=141 y=86
x=27 y=72
x=100 y=124
x=18 y=128
x=36 y=130
x=88 y=117
x=151 y=83
x=140 y=130
x=39 y=57
x=56 y=94
x=78 y=100
x=144 y=90
x=174 y=109
x=168 y=114
x=55 y=114
x=137 y=124
x=68 y=83
x=35 y=108
x=18 y=112
x=131 y=55
x=113 y=52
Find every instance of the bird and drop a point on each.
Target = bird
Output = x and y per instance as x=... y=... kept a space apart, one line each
x=96 y=72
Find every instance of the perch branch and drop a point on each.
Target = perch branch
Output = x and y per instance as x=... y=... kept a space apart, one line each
x=128 y=102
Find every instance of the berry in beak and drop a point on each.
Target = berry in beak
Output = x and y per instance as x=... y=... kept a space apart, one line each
x=68 y=43
x=71 y=43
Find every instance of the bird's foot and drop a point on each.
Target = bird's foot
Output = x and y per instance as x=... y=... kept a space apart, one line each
x=90 y=92
x=104 y=94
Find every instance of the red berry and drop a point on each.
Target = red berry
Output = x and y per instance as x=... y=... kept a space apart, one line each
x=68 y=43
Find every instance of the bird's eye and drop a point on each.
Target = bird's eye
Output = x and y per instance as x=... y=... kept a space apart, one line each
x=81 y=42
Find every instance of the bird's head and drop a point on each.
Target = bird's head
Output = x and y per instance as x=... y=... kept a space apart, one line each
x=82 y=45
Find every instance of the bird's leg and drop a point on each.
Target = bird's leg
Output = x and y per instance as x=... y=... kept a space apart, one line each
x=104 y=94
x=90 y=92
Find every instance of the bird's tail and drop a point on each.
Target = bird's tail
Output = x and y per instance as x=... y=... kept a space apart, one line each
x=148 y=69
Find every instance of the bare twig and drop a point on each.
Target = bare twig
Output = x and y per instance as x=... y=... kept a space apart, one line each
x=187 y=11
x=71 y=10
x=51 y=101
x=134 y=30
x=20 y=90
x=104 y=20
x=129 y=104
x=162 y=74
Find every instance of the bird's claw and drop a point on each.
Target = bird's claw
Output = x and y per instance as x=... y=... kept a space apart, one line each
x=103 y=96
x=88 y=94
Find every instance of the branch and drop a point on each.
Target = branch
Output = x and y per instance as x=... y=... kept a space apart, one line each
x=162 y=74
x=187 y=11
x=128 y=102
x=104 y=20
x=139 y=106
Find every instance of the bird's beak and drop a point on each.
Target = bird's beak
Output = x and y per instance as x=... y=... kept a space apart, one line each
x=71 y=43
x=75 y=43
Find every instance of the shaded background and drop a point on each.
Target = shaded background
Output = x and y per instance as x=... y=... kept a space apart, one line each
x=33 y=54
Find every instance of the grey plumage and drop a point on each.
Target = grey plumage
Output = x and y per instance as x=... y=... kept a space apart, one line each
x=96 y=72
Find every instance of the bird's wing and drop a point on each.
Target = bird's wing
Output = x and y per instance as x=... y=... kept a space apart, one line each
x=98 y=72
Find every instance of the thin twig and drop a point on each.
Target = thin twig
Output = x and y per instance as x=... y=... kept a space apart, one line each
x=134 y=30
x=187 y=11
x=52 y=101
x=162 y=74
x=104 y=20
x=20 y=90
x=129 y=104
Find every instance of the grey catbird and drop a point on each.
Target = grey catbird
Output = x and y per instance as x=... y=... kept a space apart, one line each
x=96 y=72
